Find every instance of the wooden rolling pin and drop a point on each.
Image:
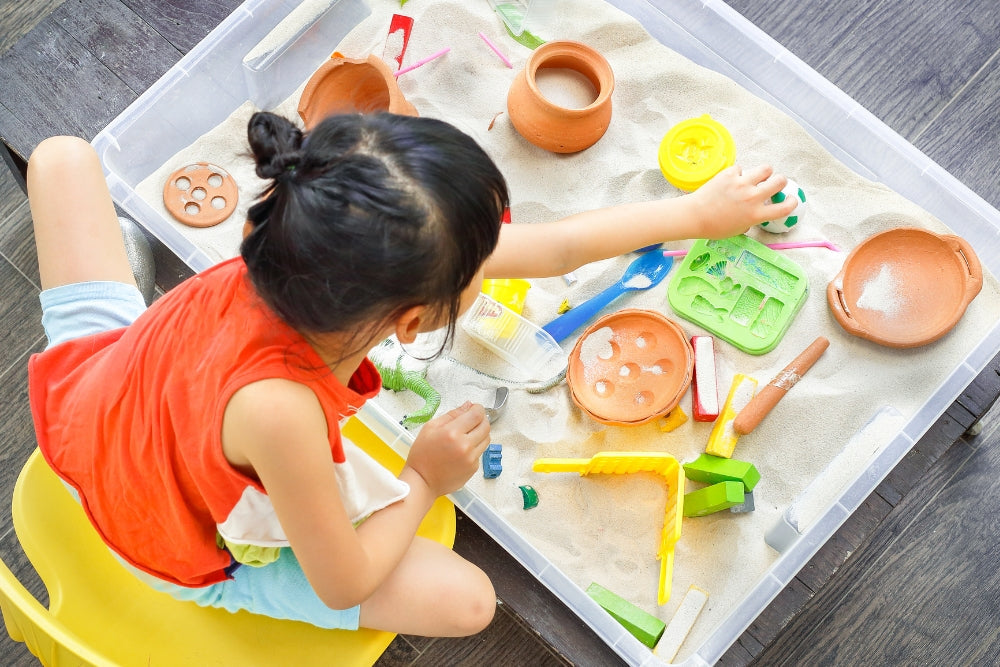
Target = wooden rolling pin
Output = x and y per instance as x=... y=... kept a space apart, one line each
x=768 y=397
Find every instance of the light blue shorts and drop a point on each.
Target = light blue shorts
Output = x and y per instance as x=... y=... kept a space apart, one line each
x=279 y=589
x=82 y=309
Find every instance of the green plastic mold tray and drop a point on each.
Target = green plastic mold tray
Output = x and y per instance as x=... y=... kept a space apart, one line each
x=740 y=290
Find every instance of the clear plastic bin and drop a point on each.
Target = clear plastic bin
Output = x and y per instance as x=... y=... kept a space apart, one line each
x=212 y=80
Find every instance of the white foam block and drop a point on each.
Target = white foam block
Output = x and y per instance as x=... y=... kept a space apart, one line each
x=682 y=622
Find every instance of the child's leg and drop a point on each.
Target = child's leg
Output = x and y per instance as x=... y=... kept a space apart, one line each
x=434 y=592
x=76 y=228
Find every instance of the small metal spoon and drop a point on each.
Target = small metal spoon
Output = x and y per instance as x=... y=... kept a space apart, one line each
x=498 y=402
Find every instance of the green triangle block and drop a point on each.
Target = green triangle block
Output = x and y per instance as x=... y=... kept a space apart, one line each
x=714 y=469
x=643 y=626
x=713 y=498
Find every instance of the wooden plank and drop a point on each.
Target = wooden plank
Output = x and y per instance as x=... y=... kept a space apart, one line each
x=742 y=652
x=17 y=237
x=22 y=314
x=119 y=39
x=52 y=85
x=870 y=50
x=502 y=643
x=529 y=599
x=183 y=23
x=809 y=30
x=982 y=393
x=962 y=137
x=17 y=18
x=849 y=619
x=769 y=623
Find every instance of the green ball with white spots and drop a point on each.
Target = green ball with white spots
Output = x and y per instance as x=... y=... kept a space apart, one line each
x=783 y=225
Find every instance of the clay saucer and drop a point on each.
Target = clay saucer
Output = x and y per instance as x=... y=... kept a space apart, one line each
x=905 y=287
x=200 y=194
x=351 y=85
x=630 y=367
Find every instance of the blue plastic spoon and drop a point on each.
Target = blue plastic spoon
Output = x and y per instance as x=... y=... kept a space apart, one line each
x=646 y=271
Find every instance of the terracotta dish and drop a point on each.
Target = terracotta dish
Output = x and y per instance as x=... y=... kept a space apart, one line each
x=200 y=194
x=351 y=85
x=553 y=127
x=905 y=287
x=630 y=367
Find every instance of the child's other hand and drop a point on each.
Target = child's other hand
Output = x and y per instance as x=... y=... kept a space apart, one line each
x=447 y=451
x=736 y=199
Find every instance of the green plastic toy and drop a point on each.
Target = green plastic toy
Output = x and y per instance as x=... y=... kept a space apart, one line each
x=739 y=289
x=714 y=469
x=643 y=626
x=713 y=498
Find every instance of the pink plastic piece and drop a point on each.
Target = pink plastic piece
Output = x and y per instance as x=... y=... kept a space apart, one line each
x=426 y=60
x=496 y=50
x=704 y=385
x=773 y=246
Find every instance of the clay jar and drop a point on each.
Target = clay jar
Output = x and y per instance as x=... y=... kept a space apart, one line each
x=351 y=85
x=553 y=127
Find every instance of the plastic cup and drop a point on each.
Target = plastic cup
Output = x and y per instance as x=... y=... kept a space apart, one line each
x=509 y=292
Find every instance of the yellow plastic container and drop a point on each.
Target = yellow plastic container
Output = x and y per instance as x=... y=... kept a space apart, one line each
x=694 y=151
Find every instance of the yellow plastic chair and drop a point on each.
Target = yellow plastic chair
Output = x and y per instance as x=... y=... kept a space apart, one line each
x=100 y=614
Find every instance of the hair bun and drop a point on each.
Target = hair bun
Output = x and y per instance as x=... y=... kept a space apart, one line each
x=276 y=144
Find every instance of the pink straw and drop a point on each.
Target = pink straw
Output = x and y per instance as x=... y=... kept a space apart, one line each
x=497 y=51
x=423 y=62
x=773 y=246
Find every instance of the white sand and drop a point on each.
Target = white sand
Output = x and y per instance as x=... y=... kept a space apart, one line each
x=605 y=528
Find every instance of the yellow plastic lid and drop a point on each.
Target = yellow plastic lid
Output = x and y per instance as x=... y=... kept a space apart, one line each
x=694 y=151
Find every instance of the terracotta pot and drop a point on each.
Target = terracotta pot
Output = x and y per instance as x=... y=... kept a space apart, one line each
x=351 y=85
x=905 y=287
x=630 y=367
x=553 y=127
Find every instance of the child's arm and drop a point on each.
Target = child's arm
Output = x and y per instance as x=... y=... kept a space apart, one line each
x=276 y=430
x=729 y=204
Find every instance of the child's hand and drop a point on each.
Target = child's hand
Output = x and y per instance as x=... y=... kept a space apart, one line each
x=736 y=199
x=447 y=451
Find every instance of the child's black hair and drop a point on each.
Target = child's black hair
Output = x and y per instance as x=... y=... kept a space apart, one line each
x=366 y=216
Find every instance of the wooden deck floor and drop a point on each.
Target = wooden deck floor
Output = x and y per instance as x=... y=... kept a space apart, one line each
x=910 y=579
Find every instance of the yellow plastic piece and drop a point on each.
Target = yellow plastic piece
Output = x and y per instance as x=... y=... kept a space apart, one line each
x=100 y=614
x=511 y=292
x=722 y=440
x=694 y=151
x=672 y=420
x=620 y=463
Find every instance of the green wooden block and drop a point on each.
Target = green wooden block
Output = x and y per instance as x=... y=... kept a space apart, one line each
x=714 y=469
x=713 y=498
x=643 y=626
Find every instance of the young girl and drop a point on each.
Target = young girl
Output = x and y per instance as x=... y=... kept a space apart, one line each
x=202 y=434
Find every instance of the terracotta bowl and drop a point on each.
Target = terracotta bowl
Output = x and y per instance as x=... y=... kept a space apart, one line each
x=630 y=367
x=553 y=127
x=905 y=287
x=350 y=85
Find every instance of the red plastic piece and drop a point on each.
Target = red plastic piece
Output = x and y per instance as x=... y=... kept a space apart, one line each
x=704 y=384
x=506 y=216
x=404 y=23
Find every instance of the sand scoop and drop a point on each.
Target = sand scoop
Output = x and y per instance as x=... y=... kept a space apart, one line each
x=620 y=463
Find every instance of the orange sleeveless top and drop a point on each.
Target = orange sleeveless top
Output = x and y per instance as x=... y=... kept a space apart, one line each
x=132 y=418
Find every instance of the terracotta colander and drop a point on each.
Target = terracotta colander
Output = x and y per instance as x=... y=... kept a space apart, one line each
x=630 y=367
x=905 y=287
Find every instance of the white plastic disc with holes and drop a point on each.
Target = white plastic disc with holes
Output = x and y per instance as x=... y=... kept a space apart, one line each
x=200 y=194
